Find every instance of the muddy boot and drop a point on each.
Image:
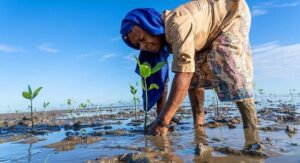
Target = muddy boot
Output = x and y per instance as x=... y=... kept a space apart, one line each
x=196 y=96
x=248 y=113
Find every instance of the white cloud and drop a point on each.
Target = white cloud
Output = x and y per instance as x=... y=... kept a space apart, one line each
x=10 y=49
x=257 y=12
x=129 y=58
x=262 y=8
x=48 y=48
x=113 y=39
x=273 y=61
x=107 y=56
x=292 y=4
x=82 y=56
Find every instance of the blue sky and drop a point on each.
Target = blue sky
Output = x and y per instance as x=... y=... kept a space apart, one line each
x=73 y=49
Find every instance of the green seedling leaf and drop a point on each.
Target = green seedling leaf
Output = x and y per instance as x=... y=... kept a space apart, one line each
x=132 y=87
x=147 y=64
x=36 y=92
x=29 y=90
x=145 y=71
x=153 y=86
x=46 y=104
x=137 y=60
x=132 y=91
x=157 y=67
x=26 y=95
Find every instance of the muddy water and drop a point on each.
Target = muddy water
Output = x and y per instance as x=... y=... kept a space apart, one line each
x=116 y=140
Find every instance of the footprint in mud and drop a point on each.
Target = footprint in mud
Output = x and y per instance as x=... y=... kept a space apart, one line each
x=70 y=142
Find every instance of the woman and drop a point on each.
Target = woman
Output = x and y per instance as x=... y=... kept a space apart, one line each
x=209 y=40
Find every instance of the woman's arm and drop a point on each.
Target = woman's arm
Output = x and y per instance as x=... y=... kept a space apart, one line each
x=162 y=101
x=180 y=85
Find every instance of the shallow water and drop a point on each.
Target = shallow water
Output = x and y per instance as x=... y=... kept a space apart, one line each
x=180 y=145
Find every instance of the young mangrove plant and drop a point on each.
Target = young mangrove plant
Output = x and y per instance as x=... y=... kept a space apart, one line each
x=83 y=106
x=30 y=96
x=217 y=103
x=88 y=102
x=69 y=102
x=99 y=108
x=111 y=110
x=133 y=90
x=145 y=72
x=45 y=105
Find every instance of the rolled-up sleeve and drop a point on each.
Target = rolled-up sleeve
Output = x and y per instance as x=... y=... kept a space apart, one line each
x=180 y=33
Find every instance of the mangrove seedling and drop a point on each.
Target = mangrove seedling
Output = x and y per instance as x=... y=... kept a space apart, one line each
x=216 y=98
x=82 y=105
x=133 y=90
x=30 y=96
x=99 y=108
x=45 y=105
x=111 y=109
x=69 y=102
x=70 y=110
x=145 y=72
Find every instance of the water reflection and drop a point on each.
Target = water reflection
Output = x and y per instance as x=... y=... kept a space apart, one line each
x=165 y=151
x=29 y=152
x=205 y=153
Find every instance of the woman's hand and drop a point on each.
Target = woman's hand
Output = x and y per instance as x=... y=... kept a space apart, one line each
x=158 y=130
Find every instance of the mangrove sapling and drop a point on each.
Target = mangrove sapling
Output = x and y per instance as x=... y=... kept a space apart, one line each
x=88 y=105
x=292 y=95
x=261 y=94
x=217 y=104
x=88 y=102
x=45 y=105
x=133 y=90
x=82 y=106
x=111 y=110
x=69 y=102
x=146 y=71
x=99 y=108
x=30 y=96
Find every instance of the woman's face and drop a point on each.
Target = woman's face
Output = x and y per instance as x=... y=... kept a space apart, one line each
x=144 y=40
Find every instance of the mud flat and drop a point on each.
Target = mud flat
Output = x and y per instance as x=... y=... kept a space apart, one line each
x=116 y=136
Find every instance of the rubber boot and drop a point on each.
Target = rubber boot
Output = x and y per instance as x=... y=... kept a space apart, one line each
x=196 y=96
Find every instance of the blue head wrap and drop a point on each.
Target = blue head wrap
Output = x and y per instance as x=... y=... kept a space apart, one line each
x=149 y=20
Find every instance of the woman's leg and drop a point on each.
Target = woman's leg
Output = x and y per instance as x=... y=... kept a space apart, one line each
x=196 y=96
x=248 y=112
x=249 y=118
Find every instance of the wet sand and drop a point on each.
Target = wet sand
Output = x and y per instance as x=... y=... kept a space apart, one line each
x=114 y=135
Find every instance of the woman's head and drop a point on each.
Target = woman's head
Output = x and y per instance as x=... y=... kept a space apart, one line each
x=143 y=29
x=143 y=40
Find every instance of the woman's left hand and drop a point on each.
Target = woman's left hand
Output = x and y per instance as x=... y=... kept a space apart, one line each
x=158 y=130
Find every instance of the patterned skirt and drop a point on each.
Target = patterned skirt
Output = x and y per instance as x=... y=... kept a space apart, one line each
x=226 y=65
